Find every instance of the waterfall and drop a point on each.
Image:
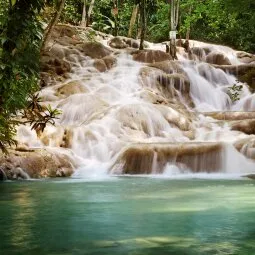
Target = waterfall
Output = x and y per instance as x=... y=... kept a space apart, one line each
x=136 y=118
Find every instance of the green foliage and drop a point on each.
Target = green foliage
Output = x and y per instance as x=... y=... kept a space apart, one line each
x=7 y=132
x=72 y=12
x=37 y=116
x=158 y=28
x=234 y=92
x=228 y=22
x=20 y=37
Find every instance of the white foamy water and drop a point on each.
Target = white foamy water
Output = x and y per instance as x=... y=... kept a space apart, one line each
x=117 y=109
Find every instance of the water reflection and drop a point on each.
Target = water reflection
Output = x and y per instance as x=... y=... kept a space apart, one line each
x=138 y=216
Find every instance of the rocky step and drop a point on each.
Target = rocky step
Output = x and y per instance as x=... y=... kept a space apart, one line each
x=37 y=163
x=238 y=121
x=230 y=115
x=246 y=146
x=147 y=158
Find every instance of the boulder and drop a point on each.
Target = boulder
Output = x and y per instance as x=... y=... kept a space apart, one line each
x=245 y=57
x=197 y=53
x=217 y=59
x=62 y=30
x=153 y=158
x=150 y=56
x=153 y=97
x=168 y=66
x=60 y=137
x=94 y=50
x=245 y=126
x=19 y=174
x=54 y=65
x=236 y=70
x=68 y=41
x=104 y=64
x=246 y=146
x=231 y=115
x=177 y=81
x=100 y=65
x=169 y=86
x=39 y=163
x=110 y=61
x=70 y=88
x=131 y=42
x=117 y=43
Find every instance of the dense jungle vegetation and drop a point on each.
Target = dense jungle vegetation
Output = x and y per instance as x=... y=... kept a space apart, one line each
x=227 y=22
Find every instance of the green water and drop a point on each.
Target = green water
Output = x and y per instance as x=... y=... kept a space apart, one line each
x=138 y=216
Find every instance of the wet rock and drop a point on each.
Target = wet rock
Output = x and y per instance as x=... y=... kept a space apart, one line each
x=62 y=30
x=178 y=81
x=168 y=67
x=45 y=79
x=70 y=88
x=23 y=147
x=246 y=146
x=110 y=61
x=131 y=42
x=117 y=43
x=197 y=53
x=249 y=78
x=94 y=50
x=140 y=118
x=169 y=86
x=36 y=164
x=179 y=43
x=64 y=172
x=150 y=56
x=217 y=59
x=80 y=108
x=19 y=174
x=236 y=70
x=153 y=158
x=68 y=41
x=61 y=137
x=104 y=64
x=245 y=126
x=250 y=176
x=100 y=65
x=153 y=97
x=54 y=65
x=231 y=115
x=245 y=57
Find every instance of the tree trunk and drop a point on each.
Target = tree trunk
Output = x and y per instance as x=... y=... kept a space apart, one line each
x=174 y=22
x=84 y=14
x=132 y=20
x=143 y=23
x=52 y=24
x=116 y=17
x=188 y=29
x=90 y=9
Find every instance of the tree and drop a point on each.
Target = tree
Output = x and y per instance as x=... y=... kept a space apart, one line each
x=133 y=19
x=51 y=25
x=142 y=22
x=174 y=18
x=84 y=14
x=21 y=33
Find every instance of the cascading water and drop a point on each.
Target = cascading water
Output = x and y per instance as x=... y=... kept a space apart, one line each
x=133 y=104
